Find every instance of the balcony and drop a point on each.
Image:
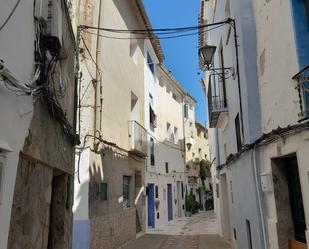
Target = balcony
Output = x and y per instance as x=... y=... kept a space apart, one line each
x=138 y=139
x=217 y=108
x=302 y=79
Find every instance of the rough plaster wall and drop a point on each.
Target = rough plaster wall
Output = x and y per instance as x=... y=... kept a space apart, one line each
x=277 y=63
x=245 y=205
x=112 y=231
x=30 y=212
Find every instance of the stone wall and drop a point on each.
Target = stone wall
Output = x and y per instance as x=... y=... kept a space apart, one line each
x=34 y=224
x=112 y=231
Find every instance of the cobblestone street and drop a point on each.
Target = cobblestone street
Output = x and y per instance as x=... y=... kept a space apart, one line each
x=197 y=232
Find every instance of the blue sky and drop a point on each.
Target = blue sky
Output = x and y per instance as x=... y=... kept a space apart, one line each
x=181 y=53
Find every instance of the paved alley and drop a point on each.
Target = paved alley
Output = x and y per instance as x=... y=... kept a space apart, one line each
x=197 y=232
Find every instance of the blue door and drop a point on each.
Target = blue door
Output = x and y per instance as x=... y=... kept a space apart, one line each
x=169 y=202
x=151 y=206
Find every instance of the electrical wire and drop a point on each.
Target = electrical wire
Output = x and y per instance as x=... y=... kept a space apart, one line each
x=10 y=15
x=88 y=50
x=162 y=30
x=152 y=36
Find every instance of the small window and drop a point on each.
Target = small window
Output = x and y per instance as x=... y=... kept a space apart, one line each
x=237 y=132
x=158 y=215
x=152 y=151
x=182 y=190
x=174 y=96
x=166 y=168
x=176 y=135
x=217 y=190
x=150 y=63
x=235 y=234
x=126 y=191
x=168 y=131
x=231 y=189
x=249 y=235
x=186 y=111
x=157 y=191
x=103 y=191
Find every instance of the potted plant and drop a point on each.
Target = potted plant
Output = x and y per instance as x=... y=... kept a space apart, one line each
x=190 y=201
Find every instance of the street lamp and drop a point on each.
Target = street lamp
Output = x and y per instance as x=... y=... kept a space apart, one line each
x=207 y=53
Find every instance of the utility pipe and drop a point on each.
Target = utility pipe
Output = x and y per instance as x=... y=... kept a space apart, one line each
x=256 y=174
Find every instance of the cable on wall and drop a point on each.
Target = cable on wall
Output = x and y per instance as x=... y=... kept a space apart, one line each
x=10 y=15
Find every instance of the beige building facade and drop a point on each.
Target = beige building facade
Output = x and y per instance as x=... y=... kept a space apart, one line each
x=110 y=196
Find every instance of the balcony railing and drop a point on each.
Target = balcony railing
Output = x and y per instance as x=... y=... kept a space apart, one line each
x=138 y=139
x=216 y=106
x=302 y=79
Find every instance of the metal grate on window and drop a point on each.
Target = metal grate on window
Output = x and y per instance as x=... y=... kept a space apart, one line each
x=126 y=191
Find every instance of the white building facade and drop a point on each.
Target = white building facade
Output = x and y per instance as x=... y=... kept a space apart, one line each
x=165 y=171
x=261 y=174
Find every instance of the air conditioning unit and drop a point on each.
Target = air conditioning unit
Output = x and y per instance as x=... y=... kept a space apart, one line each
x=54 y=19
x=41 y=9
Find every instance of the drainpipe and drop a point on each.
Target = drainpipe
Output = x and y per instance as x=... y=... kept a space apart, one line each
x=233 y=24
x=257 y=185
x=97 y=75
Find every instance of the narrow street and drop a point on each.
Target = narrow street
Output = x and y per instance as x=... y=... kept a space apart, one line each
x=197 y=232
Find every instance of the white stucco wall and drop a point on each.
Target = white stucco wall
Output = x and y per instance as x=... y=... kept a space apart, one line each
x=16 y=49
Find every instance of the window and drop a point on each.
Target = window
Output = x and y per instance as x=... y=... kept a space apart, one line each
x=186 y=111
x=217 y=190
x=237 y=132
x=126 y=191
x=152 y=156
x=174 y=96
x=150 y=63
x=168 y=131
x=103 y=191
x=157 y=191
x=152 y=115
x=249 y=234
x=166 y=167
x=176 y=135
x=182 y=190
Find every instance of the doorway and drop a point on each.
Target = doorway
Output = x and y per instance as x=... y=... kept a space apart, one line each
x=169 y=202
x=291 y=224
x=151 y=206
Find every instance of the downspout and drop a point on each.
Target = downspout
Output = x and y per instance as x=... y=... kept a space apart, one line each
x=97 y=75
x=233 y=24
x=256 y=174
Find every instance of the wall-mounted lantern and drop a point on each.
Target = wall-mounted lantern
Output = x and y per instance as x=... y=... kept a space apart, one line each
x=207 y=53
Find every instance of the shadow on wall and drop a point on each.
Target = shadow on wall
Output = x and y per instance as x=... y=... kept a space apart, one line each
x=109 y=218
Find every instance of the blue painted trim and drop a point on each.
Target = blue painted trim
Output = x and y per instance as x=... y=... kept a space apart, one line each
x=81 y=234
x=301 y=30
